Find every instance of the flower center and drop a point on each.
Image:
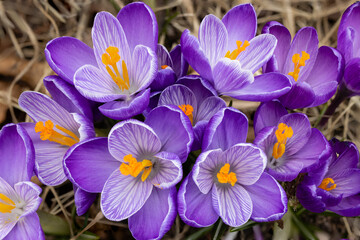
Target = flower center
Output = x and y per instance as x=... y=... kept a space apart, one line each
x=188 y=110
x=109 y=59
x=240 y=48
x=224 y=176
x=134 y=167
x=282 y=134
x=48 y=133
x=327 y=184
x=6 y=204
x=164 y=66
x=298 y=62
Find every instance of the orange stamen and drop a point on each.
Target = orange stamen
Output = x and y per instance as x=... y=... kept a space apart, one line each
x=134 y=167
x=188 y=110
x=6 y=204
x=325 y=184
x=240 y=48
x=282 y=134
x=298 y=62
x=225 y=177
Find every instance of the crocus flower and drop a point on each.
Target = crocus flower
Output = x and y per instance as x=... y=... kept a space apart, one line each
x=290 y=144
x=227 y=54
x=121 y=65
x=314 y=72
x=196 y=99
x=19 y=197
x=136 y=169
x=332 y=186
x=227 y=179
x=54 y=131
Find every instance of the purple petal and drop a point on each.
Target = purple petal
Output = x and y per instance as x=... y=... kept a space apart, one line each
x=29 y=193
x=5 y=224
x=199 y=130
x=346 y=43
x=226 y=128
x=173 y=128
x=268 y=198
x=167 y=170
x=268 y=115
x=163 y=56
x=200 y=87
x=125 y=109
x=233 y=204
x=195 y=208
x=123 y=196
x=83 y=200
x=178 y=95
x=301 y=95
x=139 y=23
x=164 y=78
x=17 y=154
x=180 y=65
x=351 y=75
x=286 y=171
x=348 y=207
x=89 y=164
x=243 y=15
x=259 y=51
x=230 y=77
x=153 y=102
x=265 y=87
x=156 y=217
x=348 y=157
x=133 y=137
x=67 y=54
x=86 y=129
x=195 y=55
x=209 y=107
x=27 y=228
x=306 y=193
x=67 y=96
x=344 y=181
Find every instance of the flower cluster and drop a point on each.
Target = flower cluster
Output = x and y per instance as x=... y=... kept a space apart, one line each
x=165 y=115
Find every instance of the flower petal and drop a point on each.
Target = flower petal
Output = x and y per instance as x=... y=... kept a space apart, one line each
x=200 y=87
x=29 y=193
x=89 y=164
x=123 y=196
x=180 y=65
x=67 y=54
x=83 y=200
x=346 y=43
x=209 y=107
x=351 y=75
x=27 y=228
x=344 y=181
x=164 y=78
x=348 y=207
x=156 y=217
x=301 y=95
x=178 y=95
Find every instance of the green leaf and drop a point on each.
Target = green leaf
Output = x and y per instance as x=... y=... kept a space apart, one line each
x=221 y=228
x=200 y=233
x=247 y=225
x=88 y=236
x=303 y=228
x=53 y=225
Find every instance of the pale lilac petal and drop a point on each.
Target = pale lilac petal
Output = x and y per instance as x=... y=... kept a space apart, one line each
x=232 y=203
x=156 y=217
x=86 y=129
x=209 y=107
x=178 y=95
x=125 y=109
x=259 y=51
x=83 y=200
x=89 y=164
x=344 y=181
x=29 y=193
x=163 y=56
x=226 y=128
x=140 y=26
x=5 y=224
x=67 y=54
x=240 y=23
x=268 y=198
x=27 y=228
x=301 y=95
x=194 y=207
x=17 y=154
x=133 y=137
x=173 y=128
x=123 y=196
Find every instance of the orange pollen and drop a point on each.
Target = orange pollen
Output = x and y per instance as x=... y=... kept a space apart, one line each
x=188 y=110
x=6 y=204
x=133 y=167
x=240 y=48
x=225 y=177
x=282 y=134
x=327 y=184
x=298 y=62
x=164 y=66
x=48 y=133
x=110 y=59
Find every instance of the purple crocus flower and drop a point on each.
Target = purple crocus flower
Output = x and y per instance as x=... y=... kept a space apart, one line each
x=314 y=72
x=136 y=169
x=19 y=197
x=227 y=54
x=118 y=71
x=332 y=186
x=197 y=100
x=228 y=178
x=290 y=144
x=54 y=131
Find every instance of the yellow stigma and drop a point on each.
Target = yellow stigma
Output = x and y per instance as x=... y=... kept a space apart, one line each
x=110 y=58
x=325 y=184
x=225 y=177
x=282 y=134
x=240 y=48
x=134 y=167
x=48 y=133
x=188 y=110
x=6 y=204
x=164 y=66
x=298 y=62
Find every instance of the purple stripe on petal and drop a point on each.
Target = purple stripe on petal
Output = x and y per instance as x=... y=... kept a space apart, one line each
x=344 y=181
x=166 y=171
x=27 y=228
x=286 y=171
x=29 y=193
x=200 y=87
x=178 y=95
x=133 y=137
x=123 y=196
x=83 y=200
x=89 y=164
x=67 y=54
x=5 y=225
x=233 y=204
x=348 y=157
x=86 y=129
x=180 y=65
x=301 y=95
x=139 y=23
x=209 y=107
x=125 y=109
x=348 y=207
x=156 y=217
x=163 y=56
